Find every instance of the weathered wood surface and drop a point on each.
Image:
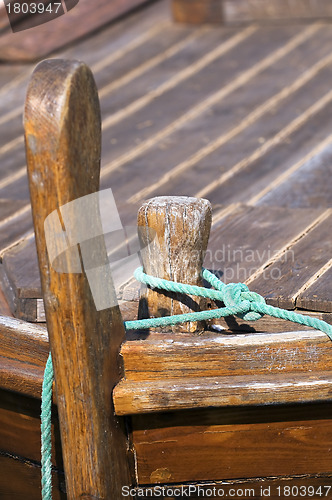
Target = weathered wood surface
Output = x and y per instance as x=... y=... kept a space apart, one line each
x=257 y=154
x=237 y=11
x=24 y=352
x=234 y=443
x=52 y=32
x=159 y=357
x=174 y=233
x=61 y=98
x=278 y=252
x=132 y=397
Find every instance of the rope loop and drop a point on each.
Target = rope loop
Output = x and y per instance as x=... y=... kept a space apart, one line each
x=238 y=298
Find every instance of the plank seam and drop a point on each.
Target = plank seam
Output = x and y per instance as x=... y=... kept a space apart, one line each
x=151 y=63
x=262 y=150
x=199 y=108
x=321 y=218
x=143 y=101
x=246 y=122
x=312 y=280
x=134 y=44
x=289 y=172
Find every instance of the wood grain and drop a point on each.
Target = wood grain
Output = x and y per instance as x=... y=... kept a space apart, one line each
x=62 y=131
x=131 y=397
x=296 y=267
x=24 y=351
x=317 y=296
x=15 y=228
x=237 y=443
x=160 y=357
x=174 y=233
x=244 y=242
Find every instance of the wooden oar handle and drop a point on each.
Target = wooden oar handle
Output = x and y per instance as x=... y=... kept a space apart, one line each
x=174 y=233
x=63 y=138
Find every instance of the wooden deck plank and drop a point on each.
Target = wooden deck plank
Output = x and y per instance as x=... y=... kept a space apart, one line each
x=248 y=168
x=296 y=267
x=21 y=267
x=246 y=244
x=16 y=228
x=174 y=73
x=178 y=101
x=240 y=248
x=104 y=49
x=309 y=186
x=126 y=131
x=202 y=49
x=21 y=189
x=232 y=128
x=317 y=297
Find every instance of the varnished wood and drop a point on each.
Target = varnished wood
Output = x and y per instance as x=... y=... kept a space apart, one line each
x=62 y=131
x=131 y=397
x=174 y=233
x=24 y=351
x=164 y=356
x=233 y=443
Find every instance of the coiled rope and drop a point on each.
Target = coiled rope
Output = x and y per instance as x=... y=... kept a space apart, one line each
x=238 y=301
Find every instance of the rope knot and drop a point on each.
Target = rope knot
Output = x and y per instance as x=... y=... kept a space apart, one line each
x=239 y=299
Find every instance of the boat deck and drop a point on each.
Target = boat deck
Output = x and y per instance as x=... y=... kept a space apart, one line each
x=241 y=115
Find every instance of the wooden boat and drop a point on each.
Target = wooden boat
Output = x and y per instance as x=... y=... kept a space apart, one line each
x=240 y=408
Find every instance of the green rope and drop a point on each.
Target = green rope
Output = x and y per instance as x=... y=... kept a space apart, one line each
x=237 y=299
x=46 y=442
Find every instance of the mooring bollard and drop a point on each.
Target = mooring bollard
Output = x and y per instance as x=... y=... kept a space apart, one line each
x=174 y=233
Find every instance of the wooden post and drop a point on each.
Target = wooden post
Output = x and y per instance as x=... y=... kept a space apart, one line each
x=63 y=137
x=174 y=233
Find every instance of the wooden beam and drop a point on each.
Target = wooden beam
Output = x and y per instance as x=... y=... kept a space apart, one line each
x=62 y=133
x=183 y=356
x=239 y=11
x=172 y=394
